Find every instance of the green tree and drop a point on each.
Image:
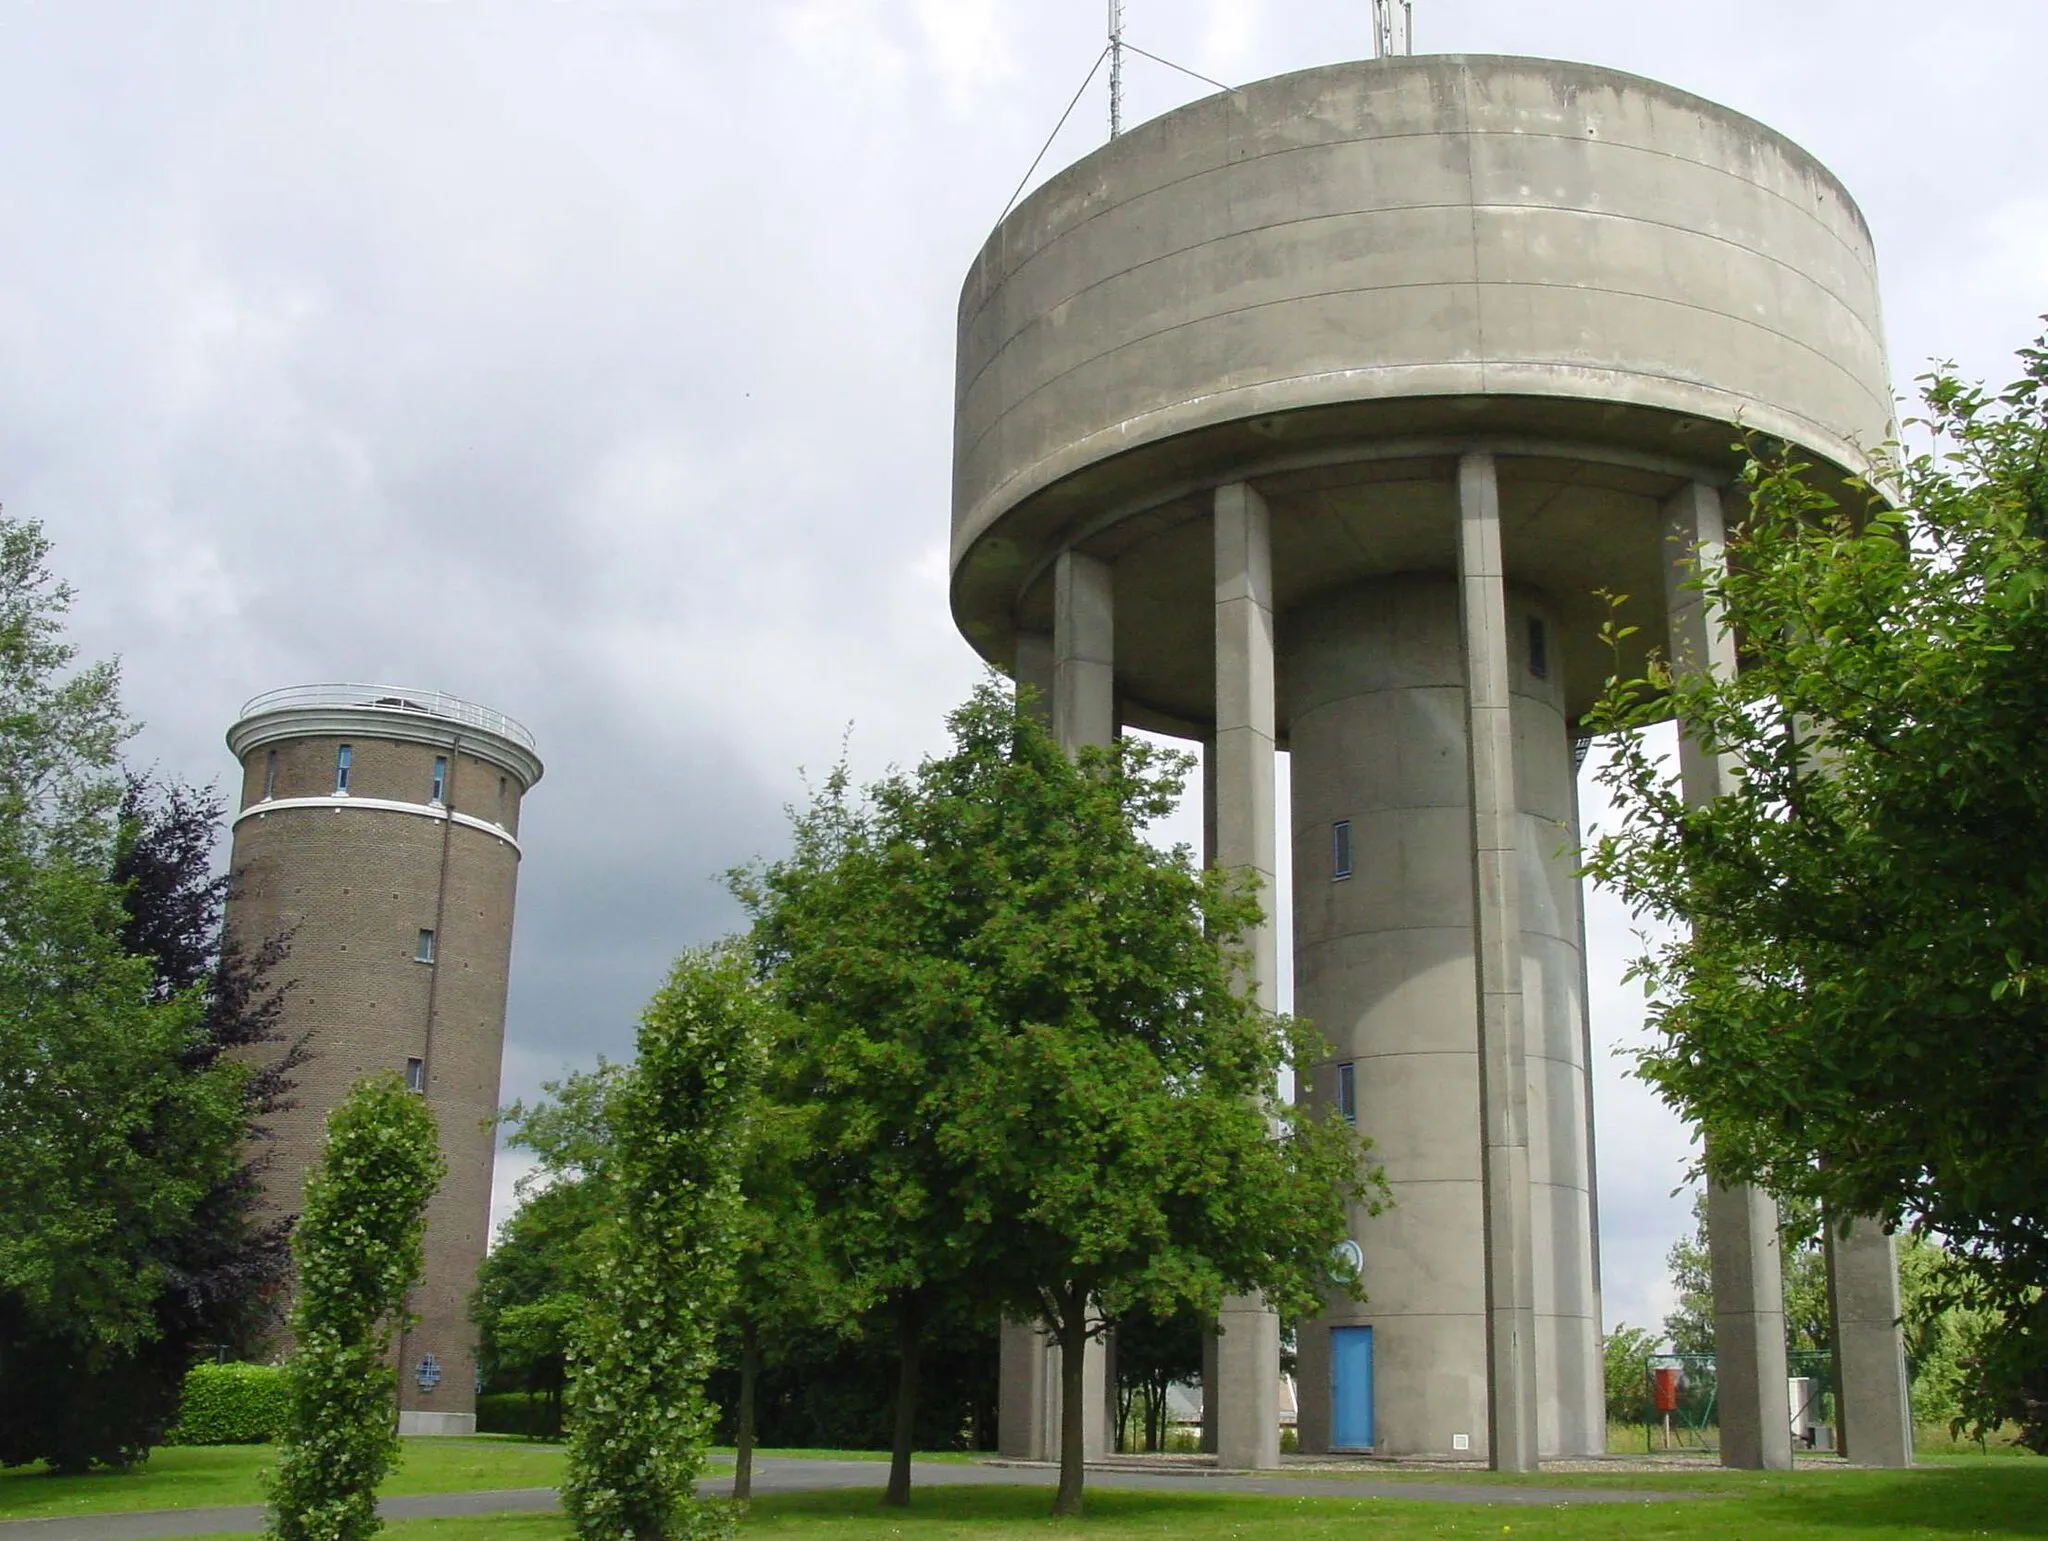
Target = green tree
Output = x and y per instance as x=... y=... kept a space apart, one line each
x=357 y=1250
x=221 y=1261
x=536 y=1284
x=1153 y=1354
x=784 y=1283
x=531 y=1291
x=639 y=1419
x=1038 y=1081
x=118 y=1121
x=1853 y=1003
x=1625 y=1359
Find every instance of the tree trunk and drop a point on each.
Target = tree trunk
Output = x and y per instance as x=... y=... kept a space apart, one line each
x=1073 y=1335
x=750 y=1381
x=909 y=1340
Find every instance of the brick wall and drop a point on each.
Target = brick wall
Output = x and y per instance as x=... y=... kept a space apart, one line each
x=355 y=885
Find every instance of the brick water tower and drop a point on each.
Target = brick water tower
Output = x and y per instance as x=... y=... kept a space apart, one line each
x=379 y=829
x=1316 y=416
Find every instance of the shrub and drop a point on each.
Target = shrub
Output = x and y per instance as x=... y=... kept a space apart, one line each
x=638 y=1418
x=230 y=1404
x=357 y=1246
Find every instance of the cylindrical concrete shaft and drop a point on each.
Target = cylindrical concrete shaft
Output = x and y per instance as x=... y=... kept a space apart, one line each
x=1385 y=969
x=1742 y=1223
x=1497 y=952
x=1247 y=1379
x=1873 y=1393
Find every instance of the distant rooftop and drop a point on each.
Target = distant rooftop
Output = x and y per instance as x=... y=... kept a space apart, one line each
x=396 y=699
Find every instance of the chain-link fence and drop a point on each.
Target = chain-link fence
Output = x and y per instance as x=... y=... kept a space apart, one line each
x=1680 y=1408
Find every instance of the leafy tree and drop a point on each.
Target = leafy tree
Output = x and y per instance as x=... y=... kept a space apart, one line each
x=1153 y=1354
x=357 y=1249
x=1854 y=1004
x=1625 y=1360
x=120 y=1123
x=639 y=1421
x=531 y=1291
x=221 y=1264
x=784 y=1284
x=831 y=1385
x=536 y=1284
x=1036 y=1077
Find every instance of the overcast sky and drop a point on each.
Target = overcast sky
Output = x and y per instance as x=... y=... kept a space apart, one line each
x=595 y=362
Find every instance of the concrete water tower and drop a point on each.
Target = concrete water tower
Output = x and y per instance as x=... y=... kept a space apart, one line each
x=1314 y=416
x=379 y=829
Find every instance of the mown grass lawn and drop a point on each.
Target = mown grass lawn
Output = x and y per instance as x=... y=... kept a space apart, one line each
x=1982 y=1499
x=185 y=1477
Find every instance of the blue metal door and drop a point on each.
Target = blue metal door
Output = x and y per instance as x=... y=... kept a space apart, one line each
x=1351 y=1388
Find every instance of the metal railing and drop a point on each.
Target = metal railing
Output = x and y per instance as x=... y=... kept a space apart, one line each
x=393 y=698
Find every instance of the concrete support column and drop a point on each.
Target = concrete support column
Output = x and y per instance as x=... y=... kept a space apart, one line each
x=1247 y=1379
x=1076 y=670
x=1032 y=671
x=1027 y=1395
x=1083 y=653
x=1497 y=947
x=1206 y=1442
x=1873 y=1402
x=1742 y=1223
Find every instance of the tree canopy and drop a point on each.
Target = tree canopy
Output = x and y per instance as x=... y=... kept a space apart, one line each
x=219 y=1263
x=664 y=1270
x=1853 y=1003
x=1038 y=1080
x=122 y=1119
x=358 y=1250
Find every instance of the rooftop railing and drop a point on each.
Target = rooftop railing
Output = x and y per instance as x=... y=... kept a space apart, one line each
x=393 y=698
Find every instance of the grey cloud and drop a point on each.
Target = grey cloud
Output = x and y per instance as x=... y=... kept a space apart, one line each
x=595 y=361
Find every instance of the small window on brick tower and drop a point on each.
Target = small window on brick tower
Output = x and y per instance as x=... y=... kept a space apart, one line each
x=424 y=953
x=1539 y=648
x=415 y=1075
x=341 y=762
x=270 y=776
x=440 y=778
x=1340 y=850
x=1347 y=1093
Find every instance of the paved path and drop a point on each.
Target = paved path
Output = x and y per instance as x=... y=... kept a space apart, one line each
x=794 y=1476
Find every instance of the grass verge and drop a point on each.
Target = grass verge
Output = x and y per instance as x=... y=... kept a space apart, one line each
x=198 y=1476
x=201 y=1476
x=1998 y=1499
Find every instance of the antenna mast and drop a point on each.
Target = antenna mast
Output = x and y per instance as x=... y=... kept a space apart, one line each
x=1388 y=40
x=1116 y=67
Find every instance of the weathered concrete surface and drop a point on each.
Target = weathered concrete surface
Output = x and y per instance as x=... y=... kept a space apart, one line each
x=1316 y=269
x=1385 y=967
x=1073 y=675
x=1874 y=1404
x=1497 y=952
x=1742 y=1223
x=1247 y=1356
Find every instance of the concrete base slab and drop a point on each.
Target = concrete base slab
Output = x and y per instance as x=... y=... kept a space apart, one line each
x=417 y=1423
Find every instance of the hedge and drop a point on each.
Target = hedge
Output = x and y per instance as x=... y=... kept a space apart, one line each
x=230 y=1404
